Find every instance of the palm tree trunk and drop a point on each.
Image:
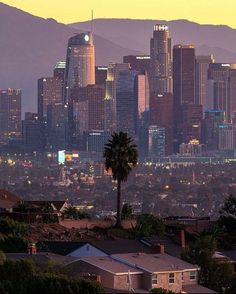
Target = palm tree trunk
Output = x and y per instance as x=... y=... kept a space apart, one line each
x=118 y=216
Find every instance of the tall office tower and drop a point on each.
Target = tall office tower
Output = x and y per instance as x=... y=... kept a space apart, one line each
x=183 y=87
x=32 y=135
x=222 y=78
x=59 y=73
x=59 y=70
x=126 y=102
x=191 y=123
x=160 y=63
x=10 y=114
x=156 y=141
x=161 y=115
x=101 y=75
x=113 y=71
x=226 y=137
x=88 y=110
x=201 y=75
x=57 y=123
x=140 y=63
x=49 y=93
x=210 y=128
x=80 y=63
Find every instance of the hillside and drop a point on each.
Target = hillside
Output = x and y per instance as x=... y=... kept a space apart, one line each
x=30 y=46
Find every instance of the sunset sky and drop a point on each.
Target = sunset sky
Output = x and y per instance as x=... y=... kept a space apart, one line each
x=68 y=11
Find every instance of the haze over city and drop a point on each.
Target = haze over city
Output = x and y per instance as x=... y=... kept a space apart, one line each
x=117 y=147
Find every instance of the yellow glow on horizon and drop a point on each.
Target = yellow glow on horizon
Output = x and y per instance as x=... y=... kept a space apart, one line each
x=69 y=11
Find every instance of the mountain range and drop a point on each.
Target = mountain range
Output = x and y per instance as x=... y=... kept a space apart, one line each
x=30 y=46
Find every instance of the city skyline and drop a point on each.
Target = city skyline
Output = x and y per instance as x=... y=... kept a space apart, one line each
x=73 y=11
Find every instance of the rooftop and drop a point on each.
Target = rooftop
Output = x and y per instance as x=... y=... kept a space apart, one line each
x=111 y=265
x=155 y=262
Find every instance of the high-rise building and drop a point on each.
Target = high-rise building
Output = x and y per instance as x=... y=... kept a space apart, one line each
x=201 y=75
x=140 y=63
x=161 y=115
x=101 y=75
x=113 y=71
x=191 y=124
x=57 y=122
x=32 y=133
x=160 y=63
x=222 y=79
x=10 y=114
x=156 y=141
x=184 y=74
x=183 y=91
x=87 y=110
x=80 y=63
x=59 y=70
x=210 y=128
x=49 y=93
x=226 y=137
x=193 y=148
x=126 y=102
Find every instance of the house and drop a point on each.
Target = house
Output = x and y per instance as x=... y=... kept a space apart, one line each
x=8 y=200
x=95 y=248
x=57 y=207
x=140 y=272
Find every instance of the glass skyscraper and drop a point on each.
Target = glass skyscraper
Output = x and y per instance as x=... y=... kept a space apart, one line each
x=80 y=63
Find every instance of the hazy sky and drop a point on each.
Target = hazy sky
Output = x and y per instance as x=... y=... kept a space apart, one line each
x=67 y=11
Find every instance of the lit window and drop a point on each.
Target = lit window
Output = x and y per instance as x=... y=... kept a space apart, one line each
x=193 y=275
x=171 y=278
x=154 y=279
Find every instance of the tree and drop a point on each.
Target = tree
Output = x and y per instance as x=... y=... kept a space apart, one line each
x=148 y=225
x=73 y=213
x=227 y=218
x=126 y=211
x=121 y=156
x=2 y=258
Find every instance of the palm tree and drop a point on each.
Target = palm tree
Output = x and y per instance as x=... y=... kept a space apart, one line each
x=121 y=156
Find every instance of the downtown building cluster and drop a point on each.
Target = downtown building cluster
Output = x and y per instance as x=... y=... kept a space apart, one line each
x=169 y=102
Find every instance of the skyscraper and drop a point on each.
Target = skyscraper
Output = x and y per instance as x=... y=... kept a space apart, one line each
x=201 y=75
x=49 y=93
x=126 y=102
x=210 y=128
x=80 y=63
x=156 y=141
x=160 y=63
x=161 y=115
x=113 y=71
x=184 y=95
x=223 y=87
x=10 y=114
x=140 y=63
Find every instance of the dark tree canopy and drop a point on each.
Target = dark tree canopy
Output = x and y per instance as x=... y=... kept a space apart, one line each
x=120 y=155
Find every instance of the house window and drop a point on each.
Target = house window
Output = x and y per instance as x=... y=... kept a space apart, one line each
x=193 y=275
x=182 y=276
x=154 y=279
x=171 y=278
